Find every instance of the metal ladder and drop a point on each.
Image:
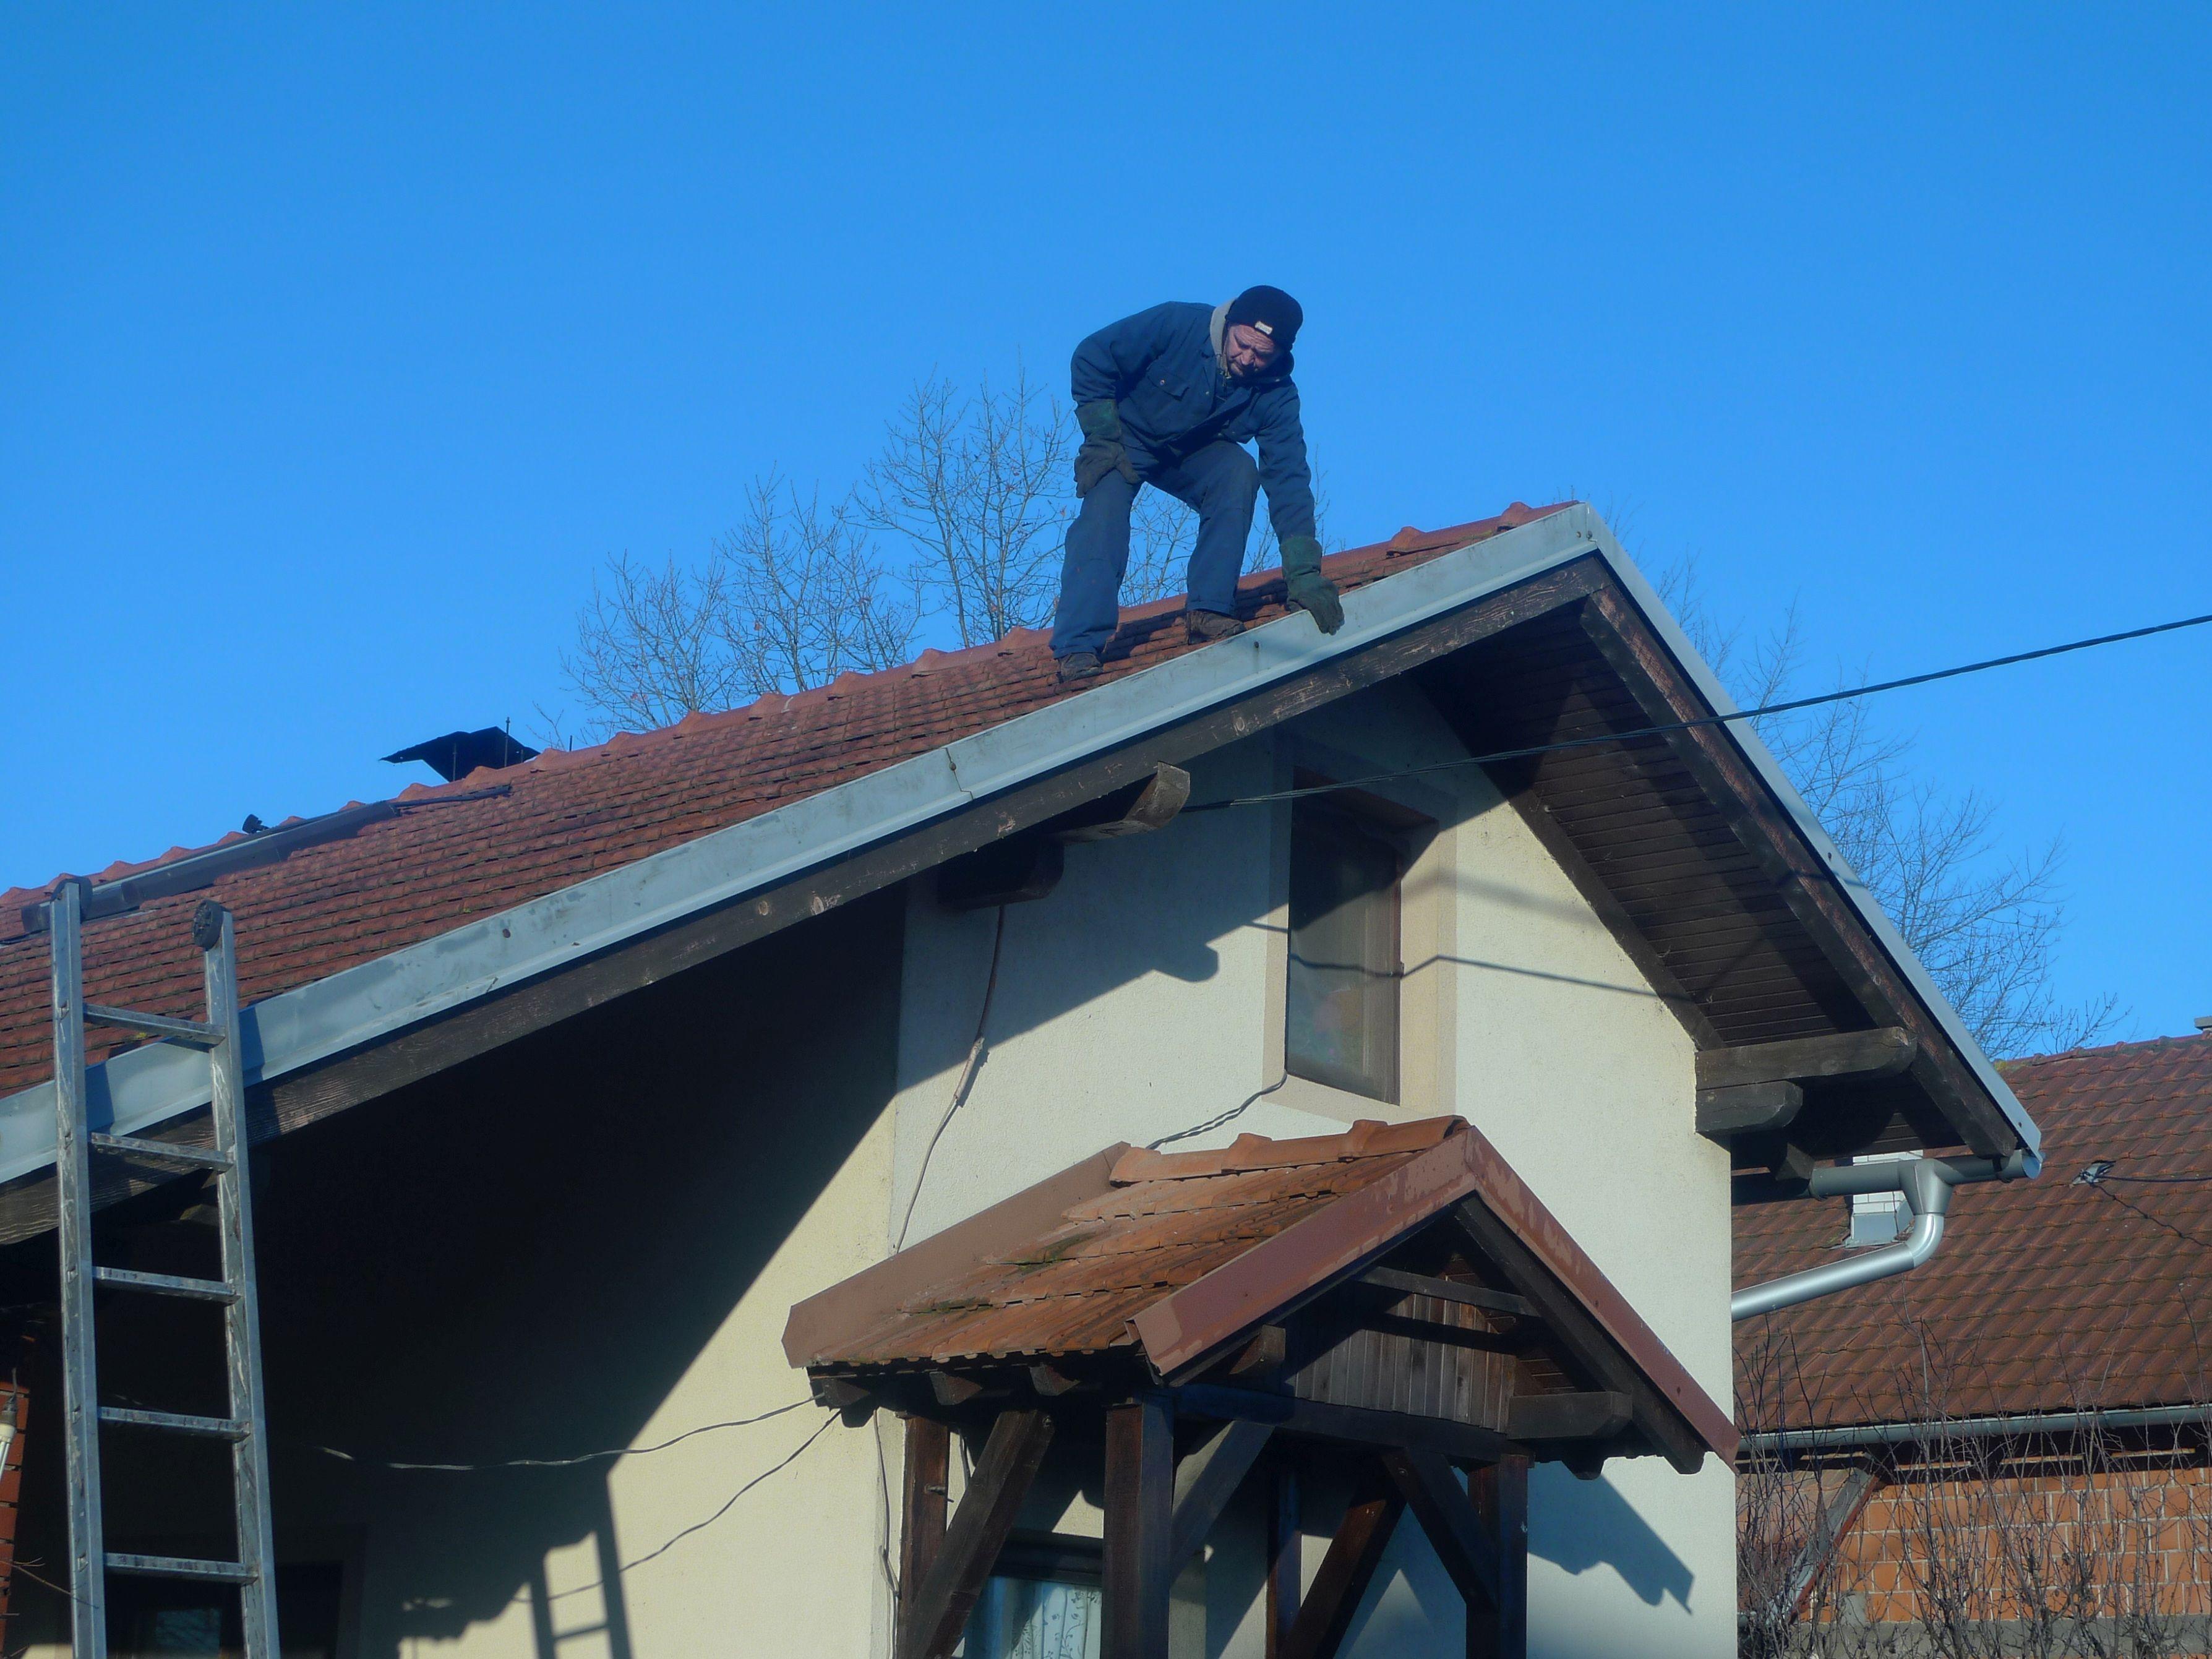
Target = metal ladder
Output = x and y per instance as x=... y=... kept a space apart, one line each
x=246 y=1428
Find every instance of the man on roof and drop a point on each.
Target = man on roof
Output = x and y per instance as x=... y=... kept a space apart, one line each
x=1169 y=398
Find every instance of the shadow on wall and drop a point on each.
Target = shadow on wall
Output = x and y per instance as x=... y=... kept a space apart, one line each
x=1579 y=1525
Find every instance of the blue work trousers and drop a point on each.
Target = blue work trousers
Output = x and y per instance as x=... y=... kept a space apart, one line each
x=1220 y=481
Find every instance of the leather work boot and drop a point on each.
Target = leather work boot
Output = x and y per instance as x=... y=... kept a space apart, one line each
x=1078 y=665
x=1205 y=626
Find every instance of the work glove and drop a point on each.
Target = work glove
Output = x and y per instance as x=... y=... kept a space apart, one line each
x=1102 y=451
x=1310 y=590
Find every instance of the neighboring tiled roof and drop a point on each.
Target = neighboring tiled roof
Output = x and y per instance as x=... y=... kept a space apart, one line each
x=2044 y=1295
x=1177 y=1255
x=454 y=854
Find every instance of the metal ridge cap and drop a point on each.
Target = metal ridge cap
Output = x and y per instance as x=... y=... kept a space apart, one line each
x=324 y=1017
x=1855 y=889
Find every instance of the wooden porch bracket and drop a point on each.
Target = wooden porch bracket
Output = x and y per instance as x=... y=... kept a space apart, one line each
x=938 y=1611
x=1446 y=1514
x=1882 y=1052
x=1747 y=1108
x=1206 y=1480
x=1346 y=1570
x=1597 y=1415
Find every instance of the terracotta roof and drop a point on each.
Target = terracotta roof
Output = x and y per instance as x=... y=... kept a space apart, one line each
x=2045 y=1296
x=454 y=854
x=1175 y=1255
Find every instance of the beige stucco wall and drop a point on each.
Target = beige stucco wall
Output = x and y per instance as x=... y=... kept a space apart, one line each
x=1144 y=995
x=703 y=1155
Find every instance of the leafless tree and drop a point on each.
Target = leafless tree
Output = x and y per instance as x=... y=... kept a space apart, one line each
x=1986 y=922
x=793 y=597
x=978 y=486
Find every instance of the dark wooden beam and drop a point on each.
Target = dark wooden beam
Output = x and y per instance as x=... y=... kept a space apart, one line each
x=1285 y=1551
x=1585 y=1341
x=306 y=1097
x=1500 y=1495
x=1449 y=1290
x=1455 y=1532
x=921 y=1507
x=1140 y=1522
x=1882 y=1052
x=1346 y=1570
x=1799 y=877
x=1357 y=1423
x=1595 y=1416
x=1151 y=804
x=940 y=1607
x=1206 y=1481
x=1747 y=1108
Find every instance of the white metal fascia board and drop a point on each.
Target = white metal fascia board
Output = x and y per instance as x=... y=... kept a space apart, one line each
x=311 y=1022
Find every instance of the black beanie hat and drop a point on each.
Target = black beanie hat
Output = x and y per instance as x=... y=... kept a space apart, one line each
x=1271 y=311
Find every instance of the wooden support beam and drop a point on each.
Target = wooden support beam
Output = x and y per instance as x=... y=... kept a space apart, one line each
x=1746 y=1108
x=1139 y=1523
x=1151 y=804
x=1455 y=1531
x=1449 y=1290
x=939 y=1610
x=1206 y=1481
x=1358 y=1424
x=1882 y=1052
x=1500 y=1495
x=922 y=1506
x=1285 y=1551
x=1596 y=1416
x=1346 y=1570
x=1585 y=1341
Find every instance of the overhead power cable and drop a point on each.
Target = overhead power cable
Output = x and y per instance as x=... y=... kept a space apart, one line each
x=1786 y=707
x=562 y=1462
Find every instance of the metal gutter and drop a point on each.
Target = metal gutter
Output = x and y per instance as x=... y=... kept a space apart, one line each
x=1926 y=1183
x=362 y=1005
x=1907 y=1434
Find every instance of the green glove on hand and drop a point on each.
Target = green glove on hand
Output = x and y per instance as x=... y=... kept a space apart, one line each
x=1310 y=590
x=1102 y=451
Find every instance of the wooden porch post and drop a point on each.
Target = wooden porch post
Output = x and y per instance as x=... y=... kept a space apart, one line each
x=921 y=1508
x=1139 y=1517
x=1285 y=1545
x=1500 y=1491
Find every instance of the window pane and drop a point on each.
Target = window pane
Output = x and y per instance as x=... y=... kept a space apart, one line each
x=1033 y=1618
x=1342 y=1018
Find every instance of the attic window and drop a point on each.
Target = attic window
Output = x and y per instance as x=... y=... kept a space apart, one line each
x=1341 y=1024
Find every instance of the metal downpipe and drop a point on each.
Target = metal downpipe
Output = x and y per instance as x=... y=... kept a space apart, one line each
x=1926 y=1183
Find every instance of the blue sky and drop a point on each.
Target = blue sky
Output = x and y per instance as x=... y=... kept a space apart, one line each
x=340 y=345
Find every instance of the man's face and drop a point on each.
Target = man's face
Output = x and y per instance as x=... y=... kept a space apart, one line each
x=1247 y=350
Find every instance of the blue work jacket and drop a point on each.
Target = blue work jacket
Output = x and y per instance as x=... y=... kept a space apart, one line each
x=1160 y=368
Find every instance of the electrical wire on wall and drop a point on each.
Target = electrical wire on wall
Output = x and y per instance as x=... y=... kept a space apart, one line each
x=966 y=1080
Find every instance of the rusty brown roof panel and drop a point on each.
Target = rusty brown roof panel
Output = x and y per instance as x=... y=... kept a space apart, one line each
x=1181 y=1252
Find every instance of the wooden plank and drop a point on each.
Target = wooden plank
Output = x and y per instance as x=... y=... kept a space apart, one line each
x=921 y=1507
x=1206 y=1481
x=1882 y=1052
x=1346 y=1570
x=1747 y=1107
x=940 y=1607
x=1318 y=1419
x=1500 y=1495
x=1285 y=1551
x=1584 y=1340
x=1449 y=1290
x=1140 y=1526
x=1594 y=1416
x=1455 y=1532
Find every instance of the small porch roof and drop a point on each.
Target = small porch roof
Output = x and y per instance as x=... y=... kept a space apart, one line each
x=1165 y=1266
